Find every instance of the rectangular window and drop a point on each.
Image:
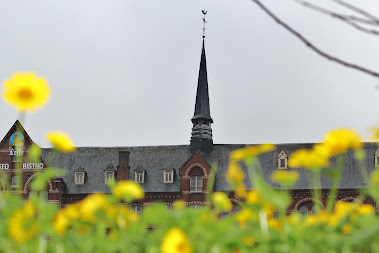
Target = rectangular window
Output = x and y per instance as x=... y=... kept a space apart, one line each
x=137 y=209
x=109 y=175
x=79 y=177
x=282 y=163
x=15 y=181
x=168 y=176
x=196 y=183
x=139 y=176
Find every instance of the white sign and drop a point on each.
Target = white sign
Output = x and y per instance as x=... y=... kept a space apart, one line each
x=4 y=166
x=32 y=166
x=17 y=152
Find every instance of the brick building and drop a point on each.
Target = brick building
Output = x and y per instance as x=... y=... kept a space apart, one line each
x=166 y=173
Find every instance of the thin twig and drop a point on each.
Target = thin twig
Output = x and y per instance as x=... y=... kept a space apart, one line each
x=313 y=47
x=341 y=17
x=356 y=9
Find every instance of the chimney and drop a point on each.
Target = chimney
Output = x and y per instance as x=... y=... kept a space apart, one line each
x=123 y=165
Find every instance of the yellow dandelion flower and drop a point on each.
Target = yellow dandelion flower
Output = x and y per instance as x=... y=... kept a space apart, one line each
x=22 y=225
x=374 y=134
x=340 y=140
x=244 y=216
x=128 y=191
x=252 y=197
x=311 y=220
x=221 y=201
x=26 y=91
x=275 y=224
x=175 y=241
x=285 y=178
x=60 y=141
x=241 y=191
x=250 y=151
x=365 y=209
x=94 y=205
x=235 y=173
x=309 y=158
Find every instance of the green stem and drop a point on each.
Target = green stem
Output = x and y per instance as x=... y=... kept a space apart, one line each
x=335 y=183
x=316 y=179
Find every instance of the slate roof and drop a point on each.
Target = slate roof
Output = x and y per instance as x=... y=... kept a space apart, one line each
x=154 y=159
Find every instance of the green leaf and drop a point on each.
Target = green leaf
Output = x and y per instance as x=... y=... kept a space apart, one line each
x=41 y=180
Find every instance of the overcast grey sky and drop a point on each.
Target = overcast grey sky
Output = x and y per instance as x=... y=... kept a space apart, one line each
x=124 y=73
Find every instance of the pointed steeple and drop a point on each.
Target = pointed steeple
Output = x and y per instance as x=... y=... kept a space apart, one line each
x=202 y=110
x=201 y=137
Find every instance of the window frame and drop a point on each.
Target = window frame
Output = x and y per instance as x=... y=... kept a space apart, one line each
x=77 y=179
x=107 y=172
x=196 y=184
x=139 y=176
x=282 y=156
x=169 y=173
x=138 y=209
x=15 y=179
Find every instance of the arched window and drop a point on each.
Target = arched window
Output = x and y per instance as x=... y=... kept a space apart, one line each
x=307 y=208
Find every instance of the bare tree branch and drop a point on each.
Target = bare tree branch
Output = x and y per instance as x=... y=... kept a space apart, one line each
x=341 y=17
x=356 y=9
x=311 y=46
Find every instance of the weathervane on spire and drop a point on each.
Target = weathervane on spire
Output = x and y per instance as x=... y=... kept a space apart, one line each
x=204 y=13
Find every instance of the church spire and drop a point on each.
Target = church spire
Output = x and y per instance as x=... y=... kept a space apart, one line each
x=201 y=137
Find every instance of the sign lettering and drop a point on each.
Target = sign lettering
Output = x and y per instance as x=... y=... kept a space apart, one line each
x=4 y=166
x=32 y=166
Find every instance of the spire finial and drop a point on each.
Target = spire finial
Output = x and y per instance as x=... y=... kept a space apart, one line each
x=204 y=13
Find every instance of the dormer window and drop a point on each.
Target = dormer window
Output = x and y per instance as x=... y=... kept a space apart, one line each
x=377 y=158
x=139 y=176
x=79 y=177
x=168 y=176
x=282 y=160
x=109 y=175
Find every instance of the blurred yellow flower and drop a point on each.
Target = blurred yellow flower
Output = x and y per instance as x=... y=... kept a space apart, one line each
x=244 y=216
x=175 y=241
x=128 y=191
x=374 y=134
x=341 y=140
x=241 y=191
x=63 y=218
x=60 y=141
x=250 y=151
x=285 y=178
x=248 y=241
x=179 y=205
x=252 y=197
x=23 y=225
x=234 y=173
x=365 y=209
x=221 y=201
x=26 y=91
x=309 y=158
x=275 y=224
x=95 y=205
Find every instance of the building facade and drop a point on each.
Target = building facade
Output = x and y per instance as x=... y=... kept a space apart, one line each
x=166 y=173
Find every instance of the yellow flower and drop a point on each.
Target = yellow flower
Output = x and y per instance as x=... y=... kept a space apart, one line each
x=26 y=91
x=221 y=201
x=252 y=197
x=275 y=224
x=95 y=205
x=341 y=140
x=128 y=190
x=175 y=241
x=63 y=218
x=22 y=225
x=315 y=158
x=241 y=191
x=285 y=178
x=250 y=151
x=235 y=173
x=374 y=134
x=243 y=216
x=61 y=142
x=365 y=209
